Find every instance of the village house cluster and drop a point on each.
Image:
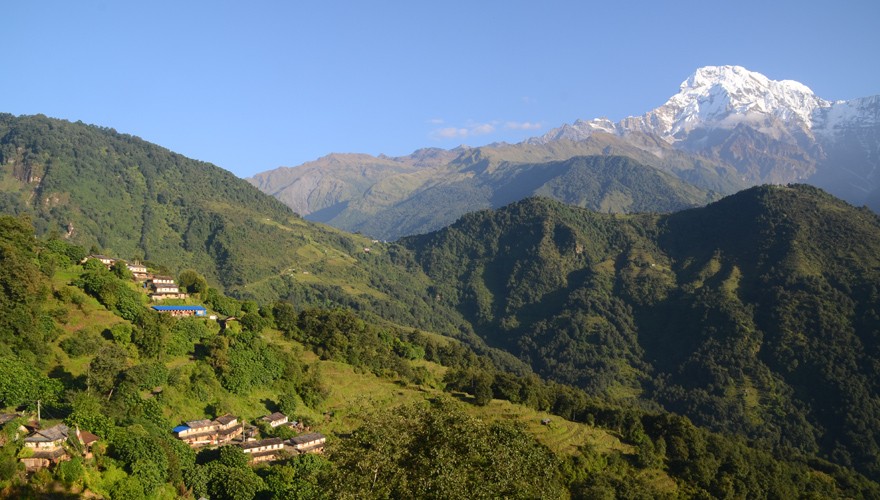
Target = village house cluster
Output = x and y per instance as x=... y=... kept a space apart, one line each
x=159 y=287
x=51 y=446
x=56 y=444
x=227 y=430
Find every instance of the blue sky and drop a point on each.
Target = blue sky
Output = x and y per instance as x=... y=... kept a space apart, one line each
x=251 y=86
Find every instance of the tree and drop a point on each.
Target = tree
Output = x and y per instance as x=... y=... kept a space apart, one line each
x=70 y=471
x=312 y=391
x=288 y=402
x=186 y=333
x=21 y=383
x=233 y=483
x=152 y=334
x=192 y=282
x=150 y=474
x=121 y=333
x=482 y=388
x=120 y=269
x=88 y=413
x=434 y=449
x=252 y=322
x=285 y=316
x=233 y=456
x=105 y=368
x=221 y=303
x=299 y=479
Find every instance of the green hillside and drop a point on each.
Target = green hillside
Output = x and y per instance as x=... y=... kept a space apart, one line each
x=130 y=198
x=755 y=315
x=85 y=345
x=729 y=350
x=121 y=196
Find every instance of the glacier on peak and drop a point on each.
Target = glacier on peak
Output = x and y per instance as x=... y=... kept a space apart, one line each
x=712 y=97
x=722 y=96
x=841 y=115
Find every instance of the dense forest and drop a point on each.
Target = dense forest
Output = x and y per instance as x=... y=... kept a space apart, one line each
x=755 y=316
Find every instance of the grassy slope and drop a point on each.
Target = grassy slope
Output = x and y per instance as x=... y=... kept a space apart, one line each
x=136 y=200
x=352 y=393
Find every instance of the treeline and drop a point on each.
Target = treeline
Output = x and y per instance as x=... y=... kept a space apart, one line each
x=705 y=463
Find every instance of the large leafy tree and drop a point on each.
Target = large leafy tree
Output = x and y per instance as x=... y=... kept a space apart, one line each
x=434 y=449
x=105 y=368
x=21 y=384
x=24 y=325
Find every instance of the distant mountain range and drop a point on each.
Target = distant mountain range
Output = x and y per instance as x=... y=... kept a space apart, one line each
x=770 y=131
x=728 y=128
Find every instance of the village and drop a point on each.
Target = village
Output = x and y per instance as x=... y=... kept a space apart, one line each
x=46 y=447
x=53 y=445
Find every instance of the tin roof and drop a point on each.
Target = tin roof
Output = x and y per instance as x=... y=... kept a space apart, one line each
x=179 y=308
x=307 y=438
x=198 y=424
x=263 y=442
x=55 y=433
x=275 y=416
x=225 y=419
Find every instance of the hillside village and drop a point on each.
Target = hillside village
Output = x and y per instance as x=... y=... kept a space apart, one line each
x=49 y=446
x=46 y=447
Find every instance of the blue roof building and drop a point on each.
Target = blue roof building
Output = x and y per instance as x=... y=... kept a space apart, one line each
x=182 y=310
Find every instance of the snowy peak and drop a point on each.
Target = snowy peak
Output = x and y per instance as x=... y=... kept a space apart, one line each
x=736 y=78
x=714 y=97
x=723 y=96
x=847 y=115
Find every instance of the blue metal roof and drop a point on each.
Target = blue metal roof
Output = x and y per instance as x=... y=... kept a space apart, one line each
x=179 y=308
x=180 y=428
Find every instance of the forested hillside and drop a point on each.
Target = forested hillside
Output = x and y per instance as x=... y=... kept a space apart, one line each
x=86 y=346
x=602 y=183
x=131 y=198
x=118 y=195
x=756 y=315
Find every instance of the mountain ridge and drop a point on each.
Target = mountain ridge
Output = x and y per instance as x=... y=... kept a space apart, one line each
x=780 y=115
x=391 y=203
x=727 y=128
x=753 y=314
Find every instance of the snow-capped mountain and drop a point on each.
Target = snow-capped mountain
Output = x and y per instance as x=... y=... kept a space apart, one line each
x=727 y=128
x=834 y=120
x=770 y=131
x=713 y=97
